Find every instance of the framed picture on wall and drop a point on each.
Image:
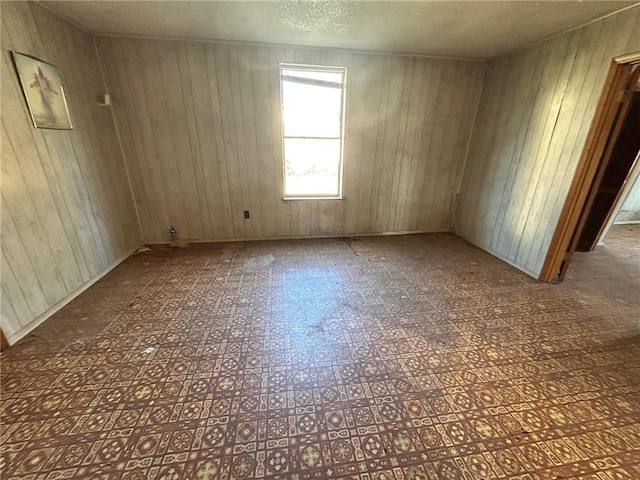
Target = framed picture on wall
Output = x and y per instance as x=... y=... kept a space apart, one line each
x=43 y=91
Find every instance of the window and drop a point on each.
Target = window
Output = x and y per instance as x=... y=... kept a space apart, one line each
x=313 y=118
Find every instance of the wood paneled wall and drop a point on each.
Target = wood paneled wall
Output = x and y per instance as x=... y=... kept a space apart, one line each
x=200 y=125
x=630 y=209
x=67 y=212
x=535 y=111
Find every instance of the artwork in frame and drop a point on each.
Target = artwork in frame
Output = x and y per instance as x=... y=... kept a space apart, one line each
x=43 y=91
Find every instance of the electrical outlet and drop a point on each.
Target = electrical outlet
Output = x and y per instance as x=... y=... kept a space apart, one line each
x=246 y=214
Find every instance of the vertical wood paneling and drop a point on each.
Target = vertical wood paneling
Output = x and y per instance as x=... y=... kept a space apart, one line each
x=535 y=111
x=173 y=120
x=433 y=81
x=67 y=214
x=267 y=177
x=630 y=209
x=205 y=118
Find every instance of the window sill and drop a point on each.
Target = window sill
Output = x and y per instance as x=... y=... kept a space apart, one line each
x=288 y=199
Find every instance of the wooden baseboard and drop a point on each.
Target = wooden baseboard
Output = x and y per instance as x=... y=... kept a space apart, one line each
x=301 y=237
x=25 y=330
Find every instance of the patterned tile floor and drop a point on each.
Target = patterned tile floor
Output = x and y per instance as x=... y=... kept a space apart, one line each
x=416 y=357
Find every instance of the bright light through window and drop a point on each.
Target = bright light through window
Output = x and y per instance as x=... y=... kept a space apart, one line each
x=312 y=115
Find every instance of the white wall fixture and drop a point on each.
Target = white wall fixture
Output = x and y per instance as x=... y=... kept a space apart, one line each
x=104 y=100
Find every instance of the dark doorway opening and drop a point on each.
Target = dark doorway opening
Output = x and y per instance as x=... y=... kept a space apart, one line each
x=608 y=185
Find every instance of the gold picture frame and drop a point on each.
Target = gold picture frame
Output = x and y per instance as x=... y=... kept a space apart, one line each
x=43 y=91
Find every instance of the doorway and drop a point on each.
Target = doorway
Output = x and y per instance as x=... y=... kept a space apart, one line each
x=627 y=207
x=611 y=178
x=606 y=162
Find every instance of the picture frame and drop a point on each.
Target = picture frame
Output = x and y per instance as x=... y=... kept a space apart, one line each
x=43 y=92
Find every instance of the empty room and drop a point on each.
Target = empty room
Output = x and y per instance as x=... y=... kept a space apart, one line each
x=320 y=240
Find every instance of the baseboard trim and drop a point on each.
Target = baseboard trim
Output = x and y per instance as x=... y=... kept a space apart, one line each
x=25 y=330
x=626 y=222
x=302 y=237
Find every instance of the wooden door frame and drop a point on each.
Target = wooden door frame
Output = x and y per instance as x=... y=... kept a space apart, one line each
x=605 y=162
x=4 y=343
x=603 y=121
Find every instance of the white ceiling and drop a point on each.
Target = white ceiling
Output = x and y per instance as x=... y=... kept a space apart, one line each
x=473 y=29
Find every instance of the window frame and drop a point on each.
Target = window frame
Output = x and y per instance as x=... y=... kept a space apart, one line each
x=322 y=68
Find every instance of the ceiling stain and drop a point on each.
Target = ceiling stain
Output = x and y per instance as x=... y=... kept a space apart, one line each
x=328 y=16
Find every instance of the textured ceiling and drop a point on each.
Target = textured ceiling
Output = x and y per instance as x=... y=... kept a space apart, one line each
x=479 y=29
